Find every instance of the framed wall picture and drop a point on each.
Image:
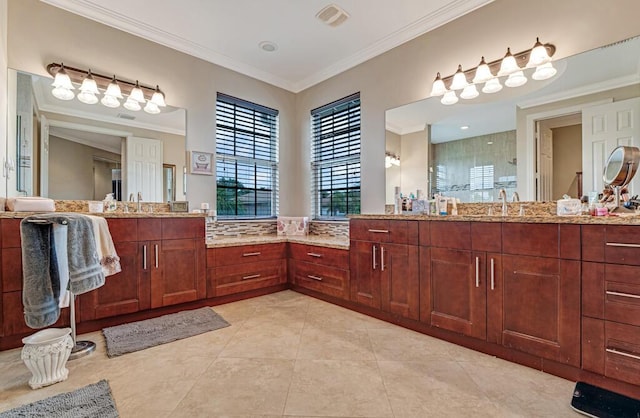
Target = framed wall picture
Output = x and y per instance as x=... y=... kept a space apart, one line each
x=200 y=162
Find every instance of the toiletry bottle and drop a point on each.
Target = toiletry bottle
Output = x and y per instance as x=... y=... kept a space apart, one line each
x=109 y=203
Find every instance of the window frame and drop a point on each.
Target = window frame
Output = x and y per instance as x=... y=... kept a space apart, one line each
x=245 y=154
x=346 y=142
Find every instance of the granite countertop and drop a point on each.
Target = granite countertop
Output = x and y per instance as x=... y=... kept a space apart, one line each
x=613 y=219
x=20 y=215
x=320 y=240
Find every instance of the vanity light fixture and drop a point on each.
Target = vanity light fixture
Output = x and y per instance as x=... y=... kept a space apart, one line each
x=91 y=84
x=511 y=66
x=391 y=159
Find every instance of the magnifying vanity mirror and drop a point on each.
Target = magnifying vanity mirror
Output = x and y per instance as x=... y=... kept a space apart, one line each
x=619 y=170
x=543 y=140
x=68 y=150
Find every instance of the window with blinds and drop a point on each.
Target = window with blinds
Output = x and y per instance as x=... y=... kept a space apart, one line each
x=246 y=159
x=335 y=158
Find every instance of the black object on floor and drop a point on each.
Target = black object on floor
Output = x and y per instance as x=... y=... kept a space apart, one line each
x=601 y=403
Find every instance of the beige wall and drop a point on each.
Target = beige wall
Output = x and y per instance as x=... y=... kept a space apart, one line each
x=414 y=163
x=397 y=77
x=567 y=160
x=405 y=73
x=39 y=34
x=4 y=83
x=75 y=180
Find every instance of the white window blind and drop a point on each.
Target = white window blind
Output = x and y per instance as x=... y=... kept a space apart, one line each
x=335 y=158
x=246 y=159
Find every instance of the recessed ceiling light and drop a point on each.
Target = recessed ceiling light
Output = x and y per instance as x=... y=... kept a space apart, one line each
x=464 y=128
x=268 y=46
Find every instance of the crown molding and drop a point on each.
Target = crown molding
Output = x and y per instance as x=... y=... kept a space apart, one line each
x=100 y=14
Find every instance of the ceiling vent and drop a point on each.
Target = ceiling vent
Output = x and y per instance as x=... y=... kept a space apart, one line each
x=332 y=15
x=125 y=116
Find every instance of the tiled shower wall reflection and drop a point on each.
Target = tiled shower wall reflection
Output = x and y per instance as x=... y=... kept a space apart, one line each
x=475 y=169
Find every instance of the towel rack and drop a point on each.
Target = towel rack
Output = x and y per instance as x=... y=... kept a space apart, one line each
x=80 y=348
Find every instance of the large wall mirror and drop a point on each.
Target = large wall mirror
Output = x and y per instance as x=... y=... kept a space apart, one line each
x=543 y=140
x=69 y=150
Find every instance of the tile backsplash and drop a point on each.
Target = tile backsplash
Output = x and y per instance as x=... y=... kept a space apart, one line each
x=269 y=227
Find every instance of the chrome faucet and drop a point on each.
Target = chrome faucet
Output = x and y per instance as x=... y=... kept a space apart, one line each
x=515 y=197
x=139 y=208
x=502 y=195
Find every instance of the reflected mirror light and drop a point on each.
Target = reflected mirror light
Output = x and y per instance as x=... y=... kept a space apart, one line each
x=473 y=173
x=98 y=139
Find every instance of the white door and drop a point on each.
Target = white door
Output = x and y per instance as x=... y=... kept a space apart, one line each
x=44 y=156
x=604 y=128
x=144 y=169
x=545 y=163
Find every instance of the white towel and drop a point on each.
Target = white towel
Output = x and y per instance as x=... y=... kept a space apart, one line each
x=109 y=259
x=60 y=242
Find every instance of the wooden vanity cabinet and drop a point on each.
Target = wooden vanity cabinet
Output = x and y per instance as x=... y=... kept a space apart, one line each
x=383 y=263
x=246 y=267
x=11 y=256
x=125 y=292
x=322 y=269
x=456 y=267
x=163 y=263
x=539 y=290
x=611 y=301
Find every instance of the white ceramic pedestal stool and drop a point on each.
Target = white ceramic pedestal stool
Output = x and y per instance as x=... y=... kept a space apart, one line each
x=45 y=354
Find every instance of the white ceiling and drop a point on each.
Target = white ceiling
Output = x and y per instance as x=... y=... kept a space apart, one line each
x=228 y=32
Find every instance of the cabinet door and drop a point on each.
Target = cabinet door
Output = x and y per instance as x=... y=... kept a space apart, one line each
x=399 y=280
x=178 y=271
x=457 y=291
x=365 y=273
x=541 y=307
x=122 y=293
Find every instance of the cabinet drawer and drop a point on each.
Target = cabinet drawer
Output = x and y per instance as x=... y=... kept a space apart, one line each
x=541 y=240
x=616 y=244
x=320 y=255
x=328 y=280
x=611 y=292
x=240 y=278
x=123 y=230
x=612 y=349
x=183 y=228
x=249 y=254
x=381 y=230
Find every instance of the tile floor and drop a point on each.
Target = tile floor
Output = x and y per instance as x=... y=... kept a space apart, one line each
x=290 y=355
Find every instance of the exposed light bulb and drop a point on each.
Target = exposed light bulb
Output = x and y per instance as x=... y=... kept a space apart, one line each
x=544 y=72
x=158 y=98
x=483 y=73
x=508 y=64
x=449 y=98
x=438 y=88
x=459 y=80
x=469 y=92
x=538 y=55
x=492 y=86
x=137 y=94
x=151 y=108
x=516 y=79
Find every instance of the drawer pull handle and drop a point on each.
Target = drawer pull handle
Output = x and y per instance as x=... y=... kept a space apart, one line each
x=379 y=231
x=314 y=277
x=314 y=255
x=144 y=257
x=252 y=276
x=622 y=244
x=493 y=274
x=622 y=353
x=477 y=271
x=625 y=295
x=250 y=254
x=374 y=256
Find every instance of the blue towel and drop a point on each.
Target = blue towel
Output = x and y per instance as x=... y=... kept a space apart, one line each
x=41 y=282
